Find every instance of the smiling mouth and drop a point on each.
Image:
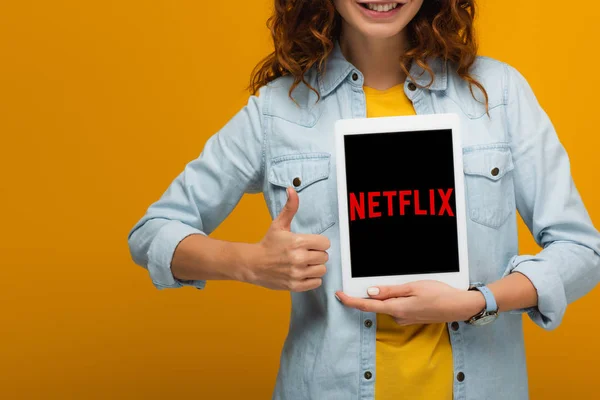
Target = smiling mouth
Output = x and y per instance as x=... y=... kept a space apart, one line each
x=379 y=7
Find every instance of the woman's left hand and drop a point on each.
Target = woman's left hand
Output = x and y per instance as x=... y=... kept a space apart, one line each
x=421 y=302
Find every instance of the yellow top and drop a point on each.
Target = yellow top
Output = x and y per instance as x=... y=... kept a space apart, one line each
x=415 y=361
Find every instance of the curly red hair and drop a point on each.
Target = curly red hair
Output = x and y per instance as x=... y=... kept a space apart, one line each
x=304 y=31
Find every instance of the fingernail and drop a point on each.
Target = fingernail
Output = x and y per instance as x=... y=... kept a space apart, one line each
x=287 y=191
x=338 y=299
x=373 y=291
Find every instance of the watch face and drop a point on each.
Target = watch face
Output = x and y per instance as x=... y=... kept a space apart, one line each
x=486 y=319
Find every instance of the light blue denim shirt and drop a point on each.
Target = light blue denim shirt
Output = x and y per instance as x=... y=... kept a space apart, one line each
x=330 y=347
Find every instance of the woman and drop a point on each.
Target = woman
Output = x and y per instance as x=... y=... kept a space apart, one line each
x=354 y=58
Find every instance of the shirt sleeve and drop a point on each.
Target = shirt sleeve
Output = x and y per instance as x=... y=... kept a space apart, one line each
x=202 y=195
x=568 y=266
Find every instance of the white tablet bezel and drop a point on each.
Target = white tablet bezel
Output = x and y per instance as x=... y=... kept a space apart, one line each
x=357 y=287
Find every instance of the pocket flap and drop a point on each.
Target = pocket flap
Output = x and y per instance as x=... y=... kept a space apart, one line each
x=493 y=163
x=299 y=170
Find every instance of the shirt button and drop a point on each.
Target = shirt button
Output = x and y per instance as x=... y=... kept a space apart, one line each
x=412 y=87
x=368 y=323
x=297 y=182
x=355 y=76
x=460 y=376
x=495 y=172
x=368 y=375
x=454 y=326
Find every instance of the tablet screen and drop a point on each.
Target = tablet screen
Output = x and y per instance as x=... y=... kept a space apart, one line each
x=401 y=203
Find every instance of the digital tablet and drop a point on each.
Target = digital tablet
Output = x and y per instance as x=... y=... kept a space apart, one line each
x=401 y=201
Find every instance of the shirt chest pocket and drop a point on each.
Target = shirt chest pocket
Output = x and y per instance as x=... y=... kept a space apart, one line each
x=489 y=184
x=308 y=174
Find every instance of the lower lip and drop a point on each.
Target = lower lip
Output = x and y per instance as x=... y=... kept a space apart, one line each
x=379 y=15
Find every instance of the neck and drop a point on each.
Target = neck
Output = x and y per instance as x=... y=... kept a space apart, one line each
x=377 y=59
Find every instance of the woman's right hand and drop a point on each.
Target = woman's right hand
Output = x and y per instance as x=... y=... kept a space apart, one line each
x=290 y=261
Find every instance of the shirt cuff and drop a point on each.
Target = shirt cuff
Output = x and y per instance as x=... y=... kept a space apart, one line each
x=161 y=252
x=552 y=300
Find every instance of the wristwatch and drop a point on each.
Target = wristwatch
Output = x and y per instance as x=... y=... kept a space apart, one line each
x=489 y=313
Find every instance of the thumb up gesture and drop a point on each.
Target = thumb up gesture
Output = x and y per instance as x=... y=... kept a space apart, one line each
x=294 y=262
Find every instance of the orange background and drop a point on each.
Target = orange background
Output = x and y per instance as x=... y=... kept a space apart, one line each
x=101 y=105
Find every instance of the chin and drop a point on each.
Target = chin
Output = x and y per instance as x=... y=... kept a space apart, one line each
x=379 y=32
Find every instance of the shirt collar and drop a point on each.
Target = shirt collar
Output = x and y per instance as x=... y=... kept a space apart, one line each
x=337 y=68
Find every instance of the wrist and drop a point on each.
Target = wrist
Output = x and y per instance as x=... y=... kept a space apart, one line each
x=475 y=303
x=247 y=258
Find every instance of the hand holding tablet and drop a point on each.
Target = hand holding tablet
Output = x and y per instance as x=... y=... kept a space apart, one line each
x=401 y=201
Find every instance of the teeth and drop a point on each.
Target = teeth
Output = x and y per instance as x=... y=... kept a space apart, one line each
x=380 y=7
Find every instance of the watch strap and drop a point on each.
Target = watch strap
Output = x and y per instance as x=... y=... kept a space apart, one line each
x=490 y=300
